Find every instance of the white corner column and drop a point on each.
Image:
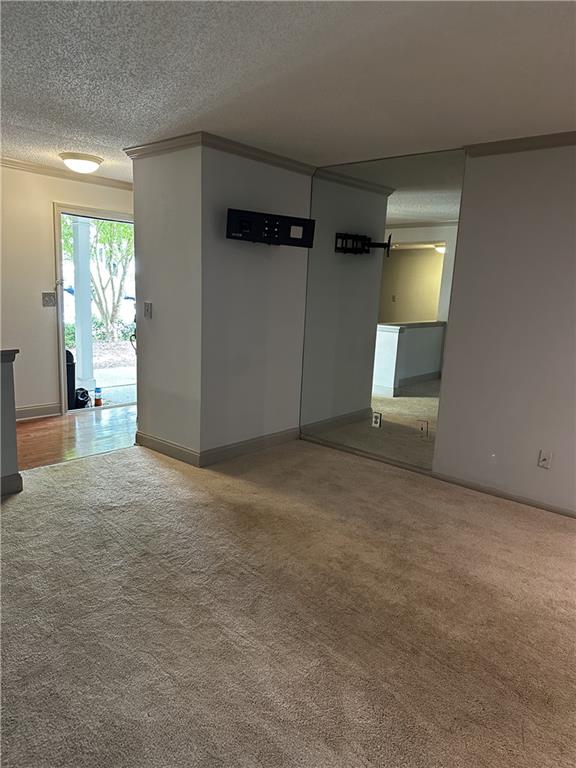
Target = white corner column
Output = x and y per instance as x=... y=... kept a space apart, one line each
x=220 y=357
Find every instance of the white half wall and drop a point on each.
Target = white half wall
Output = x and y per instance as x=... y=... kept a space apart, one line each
x=29 y=267
x=433 y=234
x=405 y=354
x=168 y=231
x=342 y=303
x=509 y=377
x=420 y=352
x=253 y=304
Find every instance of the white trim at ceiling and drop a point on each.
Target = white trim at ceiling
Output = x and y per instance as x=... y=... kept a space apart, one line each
x=525 y=144
x=204 y=139
x=61 y=173
x=349 y=181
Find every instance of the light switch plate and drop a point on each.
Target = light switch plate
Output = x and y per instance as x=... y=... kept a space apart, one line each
x=48 y=298
x=148 y=309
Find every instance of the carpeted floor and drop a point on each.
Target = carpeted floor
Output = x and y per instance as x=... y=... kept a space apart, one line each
x=399 y=438
x=298 y=608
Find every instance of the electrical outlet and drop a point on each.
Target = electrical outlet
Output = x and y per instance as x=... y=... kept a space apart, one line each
x=544 y=459
x=376 y=419
x=148 y=309
x=424 y=427
x=394 y=297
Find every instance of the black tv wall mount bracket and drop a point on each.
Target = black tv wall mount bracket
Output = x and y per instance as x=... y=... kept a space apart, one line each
x=356 y=244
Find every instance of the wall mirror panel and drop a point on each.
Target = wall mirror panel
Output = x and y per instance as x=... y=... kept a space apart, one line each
x=376 y=320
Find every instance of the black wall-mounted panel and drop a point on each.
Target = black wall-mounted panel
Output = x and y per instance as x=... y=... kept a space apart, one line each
x=269 y=228
x=356 y=244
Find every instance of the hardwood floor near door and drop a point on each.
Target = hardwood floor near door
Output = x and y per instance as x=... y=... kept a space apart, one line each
x=76 y=434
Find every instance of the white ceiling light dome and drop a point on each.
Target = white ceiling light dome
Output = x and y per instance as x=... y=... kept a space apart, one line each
x=80 y=162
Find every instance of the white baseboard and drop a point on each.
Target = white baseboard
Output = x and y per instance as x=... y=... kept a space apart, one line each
x=215 y=455
x=338 y=421
x=174 y=450
x=37 y=411
x=221 y=453
x=504 y=495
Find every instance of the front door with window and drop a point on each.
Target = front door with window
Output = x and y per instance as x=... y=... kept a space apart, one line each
x=99 y=306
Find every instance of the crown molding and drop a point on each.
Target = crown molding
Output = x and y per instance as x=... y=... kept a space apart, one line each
x=350 y=181
x=526 y=144
x=253 y=153
x=61 y=173
x=204 y=139
x=186 y=141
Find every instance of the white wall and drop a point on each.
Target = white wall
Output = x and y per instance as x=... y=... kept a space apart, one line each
x=253 y=304
x=419 y=351
x=342 y=303
x=509 y=379
x=437 y=234
x=28 y=268
x=168 y=228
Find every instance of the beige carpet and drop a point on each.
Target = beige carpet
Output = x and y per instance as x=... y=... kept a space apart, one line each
x=399 y=438
x=418 y=401
x=297 y=608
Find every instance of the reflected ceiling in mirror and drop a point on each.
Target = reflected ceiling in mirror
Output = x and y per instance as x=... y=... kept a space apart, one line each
x=427 y=187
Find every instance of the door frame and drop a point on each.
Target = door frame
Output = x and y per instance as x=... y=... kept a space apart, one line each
x=90 y=213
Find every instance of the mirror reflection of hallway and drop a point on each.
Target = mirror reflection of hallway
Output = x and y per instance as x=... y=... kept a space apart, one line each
x=397 y=307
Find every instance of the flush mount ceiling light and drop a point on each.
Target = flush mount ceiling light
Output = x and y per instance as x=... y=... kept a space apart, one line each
x=440 y=249
x=81 y=163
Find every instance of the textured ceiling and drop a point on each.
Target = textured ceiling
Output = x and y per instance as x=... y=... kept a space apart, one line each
x=319 y=82
x=427 y=188
x=419 y=207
